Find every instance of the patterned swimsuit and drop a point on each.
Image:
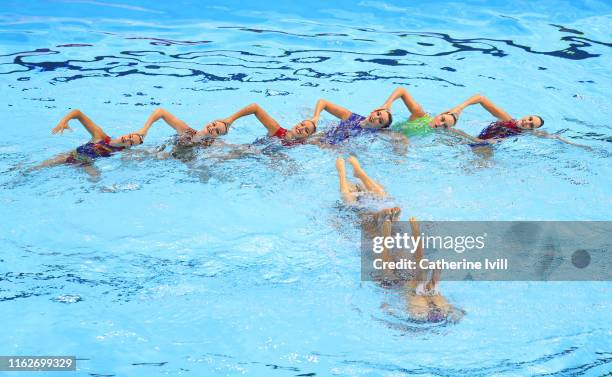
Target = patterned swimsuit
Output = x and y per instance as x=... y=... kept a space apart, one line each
x=500 y=130
x=90 y=151
x=346 y=129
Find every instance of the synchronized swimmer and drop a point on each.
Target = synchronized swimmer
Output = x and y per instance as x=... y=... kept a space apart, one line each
x=505 y=126
x=100 y=144
x=424 y=302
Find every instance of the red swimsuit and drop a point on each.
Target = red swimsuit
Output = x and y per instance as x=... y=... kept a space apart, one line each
x=280 y=133
x=500 y=130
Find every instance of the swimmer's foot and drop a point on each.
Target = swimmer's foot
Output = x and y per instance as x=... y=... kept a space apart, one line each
x=392 y=214
x=395 y=213
x=340 y=166
x=357 y=170
x=387 y=215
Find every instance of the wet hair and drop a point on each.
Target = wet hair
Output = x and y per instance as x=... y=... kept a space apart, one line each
x=541 y=120
x=140 y=137
x=386 y=125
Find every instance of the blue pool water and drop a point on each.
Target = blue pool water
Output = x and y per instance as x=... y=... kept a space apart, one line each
x=244 y=266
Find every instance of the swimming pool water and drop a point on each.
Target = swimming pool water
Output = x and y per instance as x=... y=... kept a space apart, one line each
x=245 y=266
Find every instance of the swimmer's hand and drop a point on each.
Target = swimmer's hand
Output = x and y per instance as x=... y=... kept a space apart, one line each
x=586 y=147
x=455 y=110
x=227 y=121
x=61 y=127
x=557 y=137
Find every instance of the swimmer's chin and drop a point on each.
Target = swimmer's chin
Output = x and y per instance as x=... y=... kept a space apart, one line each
x=293 y=135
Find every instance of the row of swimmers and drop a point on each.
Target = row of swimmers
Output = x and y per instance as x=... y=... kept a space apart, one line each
x=350 y=125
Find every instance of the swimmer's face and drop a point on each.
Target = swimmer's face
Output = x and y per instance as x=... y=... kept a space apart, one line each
x=444 y=120
x=128 y=140
x=379 y=118
x=303 y=129
x=214 y=129
x=530 y=122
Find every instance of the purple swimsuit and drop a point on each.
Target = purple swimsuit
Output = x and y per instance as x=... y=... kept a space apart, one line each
x=346 y=129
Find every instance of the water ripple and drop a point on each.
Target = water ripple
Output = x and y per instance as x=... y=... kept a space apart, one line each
x=243 y=65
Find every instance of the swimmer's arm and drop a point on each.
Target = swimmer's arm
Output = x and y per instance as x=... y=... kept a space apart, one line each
x=554 y=136
x=400 y=138
x=96 y=132
x=242 y=148
x=467 y=136
x=399 y=141
x=234 y=151
x=435 y=279
x=416 y=110
x=486 y=103
x=168 y=117
x=316 y=140
x=335 y=110
x=254 y=109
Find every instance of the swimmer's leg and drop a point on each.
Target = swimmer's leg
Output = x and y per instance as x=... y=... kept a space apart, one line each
x=377 y=224
x=385 y=231
x=92 y=171
x=435 y=278
x=393 y=216
x=62 y=159
x=346 y=190
x=484 y=152
x=57 y=160
x=421 y=274
x=370 y=184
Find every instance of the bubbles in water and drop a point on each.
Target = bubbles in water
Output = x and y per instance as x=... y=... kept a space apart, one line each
x=68 y=299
